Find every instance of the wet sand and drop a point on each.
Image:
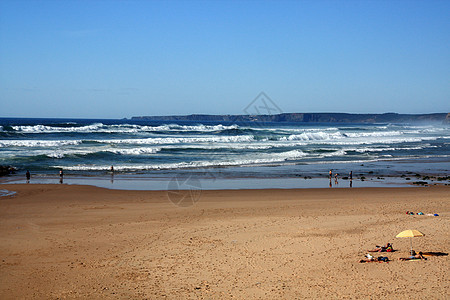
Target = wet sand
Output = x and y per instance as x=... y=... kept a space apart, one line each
x=62 y=241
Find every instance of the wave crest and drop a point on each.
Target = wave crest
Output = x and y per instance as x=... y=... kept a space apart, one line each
x=120 y=128
x=38 y=143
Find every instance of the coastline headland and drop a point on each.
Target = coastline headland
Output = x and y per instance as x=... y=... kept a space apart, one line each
x=309 y=118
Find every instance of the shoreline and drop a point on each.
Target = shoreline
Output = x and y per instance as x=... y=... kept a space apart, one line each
x=367 y=174
x=370 y=174
x=190 y=181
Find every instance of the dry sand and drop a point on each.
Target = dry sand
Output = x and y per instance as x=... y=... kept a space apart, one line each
x=60 y=241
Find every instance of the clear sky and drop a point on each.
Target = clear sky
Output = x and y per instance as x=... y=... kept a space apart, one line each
x=115 y=59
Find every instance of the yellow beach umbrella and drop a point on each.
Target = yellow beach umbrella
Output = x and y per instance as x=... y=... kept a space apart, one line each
x=410 y=233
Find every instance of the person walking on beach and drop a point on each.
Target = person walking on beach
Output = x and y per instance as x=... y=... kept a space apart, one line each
x=61 y=176
x=28 y=175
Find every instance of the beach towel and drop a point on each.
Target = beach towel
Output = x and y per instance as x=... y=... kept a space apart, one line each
x=434 y=254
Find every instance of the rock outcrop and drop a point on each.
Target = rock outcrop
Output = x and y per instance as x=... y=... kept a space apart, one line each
x=6 y=170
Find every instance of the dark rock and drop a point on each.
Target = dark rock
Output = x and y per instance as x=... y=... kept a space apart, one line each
x=6 y=170
x=420 y=183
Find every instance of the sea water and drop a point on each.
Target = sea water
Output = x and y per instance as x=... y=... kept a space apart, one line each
x=211 y=151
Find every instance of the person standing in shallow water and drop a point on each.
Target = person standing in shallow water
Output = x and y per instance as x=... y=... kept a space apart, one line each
x=331 y=174
x=112 y=174
x=350 y=176
x=61 y=176
x=28 y=175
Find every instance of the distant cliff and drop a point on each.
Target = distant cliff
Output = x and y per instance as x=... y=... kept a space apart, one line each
x=310 y=118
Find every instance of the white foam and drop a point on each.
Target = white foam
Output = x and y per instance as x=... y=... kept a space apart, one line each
x=269 y=158
x=290 y=154
x=57 y=153
x=50 y=129
x=178 y=140
x=313 y=136
x=135 y=151
x=38 y=143
x=201 y=127
x=63 y=153
x=380 y=149
x=120 y=128
x=373 y=134
x=291 y=130
x=374 y=141
x=339 y=152
x=321 y=135
x=223 y=146
x=96 y=127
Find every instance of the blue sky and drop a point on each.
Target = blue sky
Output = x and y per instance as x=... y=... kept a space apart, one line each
x=115 y=59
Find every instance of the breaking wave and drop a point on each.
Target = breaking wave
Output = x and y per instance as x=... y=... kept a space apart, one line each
x=38 y=143
x=156 y=146
x=273 y=158
x=122 y=128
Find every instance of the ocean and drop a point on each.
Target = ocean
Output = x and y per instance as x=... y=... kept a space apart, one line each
x=149 y=149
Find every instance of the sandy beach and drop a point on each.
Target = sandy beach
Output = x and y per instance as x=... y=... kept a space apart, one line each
x=66 y=241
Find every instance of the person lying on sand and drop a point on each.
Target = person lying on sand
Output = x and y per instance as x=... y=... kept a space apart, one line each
x=370 y=258
x=379 y=259
x=387 y=248
x=417 y=256
x=367 y=260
